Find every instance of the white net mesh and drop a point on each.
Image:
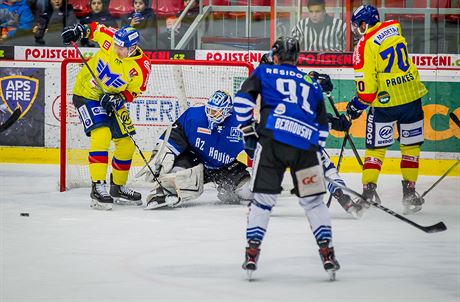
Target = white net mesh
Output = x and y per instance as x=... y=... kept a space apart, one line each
x=171 y=89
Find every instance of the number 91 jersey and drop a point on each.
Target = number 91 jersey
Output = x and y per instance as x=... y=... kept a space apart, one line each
x=385 y=75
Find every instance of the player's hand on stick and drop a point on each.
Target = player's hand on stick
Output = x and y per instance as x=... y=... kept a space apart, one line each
x=109 y=101
x=73 y=33
x=341 y=123
x=355 y=107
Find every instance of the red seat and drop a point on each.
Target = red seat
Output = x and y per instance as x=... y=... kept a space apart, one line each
x=119 y=8
x=80 y=7
x=167 y=7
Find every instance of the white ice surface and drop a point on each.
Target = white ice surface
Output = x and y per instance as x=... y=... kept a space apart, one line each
x=65 y=251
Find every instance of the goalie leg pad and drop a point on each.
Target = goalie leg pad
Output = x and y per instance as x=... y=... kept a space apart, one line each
x=189 y=183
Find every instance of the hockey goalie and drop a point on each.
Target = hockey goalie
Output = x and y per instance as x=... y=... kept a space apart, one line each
x=200 y=147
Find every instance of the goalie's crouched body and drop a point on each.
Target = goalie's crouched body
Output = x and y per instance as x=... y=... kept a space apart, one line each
x=200 y=147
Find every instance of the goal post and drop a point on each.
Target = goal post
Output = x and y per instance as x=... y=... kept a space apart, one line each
x=173 y=86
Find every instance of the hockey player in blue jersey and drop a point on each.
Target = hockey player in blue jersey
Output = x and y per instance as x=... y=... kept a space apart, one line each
x=293 y=127
x=341 y=123
x=202 y=147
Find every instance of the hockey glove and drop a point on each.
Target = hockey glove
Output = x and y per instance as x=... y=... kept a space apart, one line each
x=267 y=58
x=250 y=137
x=73 y=33
x=323 y=80
x=110 y=101
x=355 y=107
x=341 y=123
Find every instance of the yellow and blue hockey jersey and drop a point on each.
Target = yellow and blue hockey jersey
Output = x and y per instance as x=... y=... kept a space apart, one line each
x=127 y=76
x=385 y=75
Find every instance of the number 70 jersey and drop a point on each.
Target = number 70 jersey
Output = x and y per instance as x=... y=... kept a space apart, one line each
x=385 y=75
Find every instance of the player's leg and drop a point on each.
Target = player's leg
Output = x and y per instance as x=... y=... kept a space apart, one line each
x=121 y=164
x=343 y=199
x=96 y=125
x=267 y=175
x=309 y=186
x=411 y=136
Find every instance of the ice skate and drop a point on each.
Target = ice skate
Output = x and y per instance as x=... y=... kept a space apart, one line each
x=351 y=207
x=123 y=195
x=369 y=193
x=251 y=257
x=100 y=199
x=331 y=265
x=412 y=201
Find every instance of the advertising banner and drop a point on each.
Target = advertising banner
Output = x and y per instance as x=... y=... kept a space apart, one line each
x=23 y=87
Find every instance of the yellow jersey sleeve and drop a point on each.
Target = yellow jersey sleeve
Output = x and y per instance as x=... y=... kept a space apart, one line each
x=385 y=76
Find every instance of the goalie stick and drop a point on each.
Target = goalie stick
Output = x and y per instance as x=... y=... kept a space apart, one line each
x=119 y=118
x=435 y=228
x=10 y=121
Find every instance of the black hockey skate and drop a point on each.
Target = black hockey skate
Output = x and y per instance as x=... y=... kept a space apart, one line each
x=331 y=265
x=123 y=195
x=369 y=193
x=100 y=199
x=251 y=257
x=412 y=201
x=352 y=208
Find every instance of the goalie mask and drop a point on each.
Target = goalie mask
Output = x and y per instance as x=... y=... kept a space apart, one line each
x=218 y=108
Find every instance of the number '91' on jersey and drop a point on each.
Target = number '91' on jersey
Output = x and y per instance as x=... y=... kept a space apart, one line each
x=292 y=105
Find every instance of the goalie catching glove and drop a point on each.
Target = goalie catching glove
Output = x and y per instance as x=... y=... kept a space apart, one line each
x=74 y=33
x=109 y=101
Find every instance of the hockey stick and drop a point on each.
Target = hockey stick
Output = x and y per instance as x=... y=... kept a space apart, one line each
x=119 y=117
x=435 y=228
x=441 y=178
x=455 y=119
x=10 y=121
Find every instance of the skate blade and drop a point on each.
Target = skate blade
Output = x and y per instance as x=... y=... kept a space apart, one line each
x=126 y=202
x=331 y=275
x=249 y=274
x=101 y=206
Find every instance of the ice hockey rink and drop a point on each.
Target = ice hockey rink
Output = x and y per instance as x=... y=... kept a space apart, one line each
x=65 y=251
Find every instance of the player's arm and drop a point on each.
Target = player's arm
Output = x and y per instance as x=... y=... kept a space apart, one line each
x=246 y=99
x=138 y=83
x=321 y=116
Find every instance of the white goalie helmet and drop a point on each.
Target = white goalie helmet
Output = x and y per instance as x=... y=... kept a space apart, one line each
x=218 y=108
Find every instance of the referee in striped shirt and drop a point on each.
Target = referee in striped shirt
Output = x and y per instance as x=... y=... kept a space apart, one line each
x=320 y=32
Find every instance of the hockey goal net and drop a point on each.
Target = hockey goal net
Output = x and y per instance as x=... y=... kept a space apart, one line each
x=173 y=86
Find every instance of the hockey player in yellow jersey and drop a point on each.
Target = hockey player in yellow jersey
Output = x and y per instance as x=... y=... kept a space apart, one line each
x=122 y=72
x=388 y=82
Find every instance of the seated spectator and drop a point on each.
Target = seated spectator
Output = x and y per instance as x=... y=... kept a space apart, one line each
x=15 y=19
x=51 y=22
x=144 y=20
x=99 y=14
x=320 y=32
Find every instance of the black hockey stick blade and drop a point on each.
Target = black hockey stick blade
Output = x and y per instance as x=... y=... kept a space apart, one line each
x=10 y=121
x=454 y=118
x=435 y=228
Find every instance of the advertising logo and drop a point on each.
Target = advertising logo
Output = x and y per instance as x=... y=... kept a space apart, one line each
x=18 y=91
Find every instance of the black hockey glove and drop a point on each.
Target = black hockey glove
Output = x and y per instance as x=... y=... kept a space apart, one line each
x=73 y=33
x=267 y=58
x=250 y=137
x=341 y=123
x=355 y=107
x=109 y=101
x=323 y=80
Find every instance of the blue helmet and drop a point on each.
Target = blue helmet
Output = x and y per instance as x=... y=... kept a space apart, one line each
x=365 y=13
x=126 y=36
x=218 y=108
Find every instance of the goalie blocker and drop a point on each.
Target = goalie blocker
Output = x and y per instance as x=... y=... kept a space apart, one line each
x=187 y=177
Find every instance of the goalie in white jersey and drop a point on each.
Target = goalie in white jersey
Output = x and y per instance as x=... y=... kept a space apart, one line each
x=202 y=147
